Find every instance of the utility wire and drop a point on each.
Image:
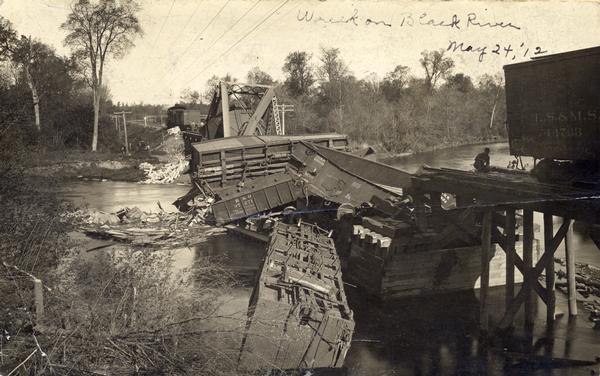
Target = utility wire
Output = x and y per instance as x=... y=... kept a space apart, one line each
x=164 y=22
x=188 y=20
x=204 y=29
x=240 y=40
x=223 y=34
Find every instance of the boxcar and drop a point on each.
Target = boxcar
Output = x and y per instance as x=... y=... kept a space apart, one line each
x=553 y=106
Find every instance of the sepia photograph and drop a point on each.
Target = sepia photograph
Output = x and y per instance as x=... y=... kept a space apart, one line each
x=299 y=187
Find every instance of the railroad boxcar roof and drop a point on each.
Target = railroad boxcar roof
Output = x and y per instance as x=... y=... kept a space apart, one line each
x=592 y=51
x=256 y=141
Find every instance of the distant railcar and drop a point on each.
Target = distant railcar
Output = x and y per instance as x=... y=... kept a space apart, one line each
x=553 y=106
x=192 y=124
x=180 y=116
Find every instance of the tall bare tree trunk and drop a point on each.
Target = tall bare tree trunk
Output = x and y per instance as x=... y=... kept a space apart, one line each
x=96 y=91
x=34 y=97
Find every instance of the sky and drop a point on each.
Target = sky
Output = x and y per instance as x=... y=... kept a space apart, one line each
x=185 y=42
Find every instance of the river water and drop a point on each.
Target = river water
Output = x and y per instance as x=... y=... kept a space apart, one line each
x=434 y=335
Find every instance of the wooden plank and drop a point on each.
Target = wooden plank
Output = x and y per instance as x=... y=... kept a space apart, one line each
x=531 y=277
x=570 y=256
x=528 y=261
x=223 y=168
x=486 y=244
x=550 y=276
x=225 y=110
x=509 y=230
x=518 y=262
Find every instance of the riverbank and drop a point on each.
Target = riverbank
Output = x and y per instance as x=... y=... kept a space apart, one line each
x=97 y=311
x=111 y=166
x=76 y=165
x=387 y=156
x=103 y=166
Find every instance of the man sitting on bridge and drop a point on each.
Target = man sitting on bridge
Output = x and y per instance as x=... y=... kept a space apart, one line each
x=482 y=161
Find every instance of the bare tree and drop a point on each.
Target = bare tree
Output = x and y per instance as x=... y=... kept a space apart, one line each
x=21 y=52
x=96 y=32
x=436 y=66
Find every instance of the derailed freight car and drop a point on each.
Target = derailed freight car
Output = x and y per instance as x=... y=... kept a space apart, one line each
x=298 y=315
x=553 y=106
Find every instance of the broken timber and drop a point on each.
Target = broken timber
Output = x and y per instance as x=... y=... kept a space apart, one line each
x=298 y=316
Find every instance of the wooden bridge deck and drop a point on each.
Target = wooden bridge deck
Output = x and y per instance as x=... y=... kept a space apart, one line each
x=504 y=189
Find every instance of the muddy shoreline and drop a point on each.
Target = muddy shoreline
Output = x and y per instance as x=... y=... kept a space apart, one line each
x=115 y=167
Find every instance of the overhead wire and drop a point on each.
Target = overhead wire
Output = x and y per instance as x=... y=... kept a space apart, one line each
x=240 y=40
x=164 y=22
x=223 y=34
x=188 y=20
x=203 y=29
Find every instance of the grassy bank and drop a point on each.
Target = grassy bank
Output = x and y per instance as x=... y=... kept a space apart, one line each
x=78 y=164
x=109 y=165
x=124 y=311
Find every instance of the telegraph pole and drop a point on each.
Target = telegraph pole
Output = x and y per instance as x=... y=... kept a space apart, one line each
x=125 y=129
x=284 y=108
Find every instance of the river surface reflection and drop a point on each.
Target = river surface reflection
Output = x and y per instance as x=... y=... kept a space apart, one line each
x=426 y=336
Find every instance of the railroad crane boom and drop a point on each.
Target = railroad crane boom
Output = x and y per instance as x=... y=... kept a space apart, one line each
x=240 y=109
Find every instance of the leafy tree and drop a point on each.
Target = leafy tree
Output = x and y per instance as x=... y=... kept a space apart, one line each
x=23 y=52
x=213 y=82
x=332 y=68
x=299 y=73
x=189 y=96
x=257 y=76
x=460 y=82
x=394 y=82
x=493 y=88
x=96 y=32
x=333 y=73
x=436 y=66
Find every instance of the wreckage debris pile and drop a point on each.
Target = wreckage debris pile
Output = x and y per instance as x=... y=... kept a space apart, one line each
x=587 y=278
x=137 y=228
x=165 y=174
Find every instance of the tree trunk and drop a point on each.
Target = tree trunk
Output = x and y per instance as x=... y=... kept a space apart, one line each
x=34 y=97
x=96 y=116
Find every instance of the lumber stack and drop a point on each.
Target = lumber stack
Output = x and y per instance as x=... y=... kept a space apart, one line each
x=165 y=174
x=389 y=261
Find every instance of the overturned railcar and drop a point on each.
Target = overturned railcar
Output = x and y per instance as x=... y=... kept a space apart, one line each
x=298 y=316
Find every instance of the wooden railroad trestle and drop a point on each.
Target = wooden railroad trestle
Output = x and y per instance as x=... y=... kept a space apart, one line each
x=498 y=218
